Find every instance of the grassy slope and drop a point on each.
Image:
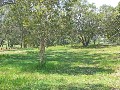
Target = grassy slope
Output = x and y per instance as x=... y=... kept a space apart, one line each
x=66 y=69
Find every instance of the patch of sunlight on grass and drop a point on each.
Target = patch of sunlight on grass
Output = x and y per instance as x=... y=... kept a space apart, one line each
x=13 y=52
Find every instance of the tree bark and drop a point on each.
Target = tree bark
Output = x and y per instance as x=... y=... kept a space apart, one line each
x=22 y=37
x=22 y=41
x=85 y=42
x=94 y=42
x=42 y=52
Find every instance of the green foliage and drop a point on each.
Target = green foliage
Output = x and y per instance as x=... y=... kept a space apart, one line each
x=110 y=23
x=59 y=22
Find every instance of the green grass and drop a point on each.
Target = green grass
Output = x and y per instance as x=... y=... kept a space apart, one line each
x=66 y=69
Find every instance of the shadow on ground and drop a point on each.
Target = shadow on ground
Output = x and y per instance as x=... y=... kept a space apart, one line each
x=98 y=46
x=42 y=86
x=58 y=62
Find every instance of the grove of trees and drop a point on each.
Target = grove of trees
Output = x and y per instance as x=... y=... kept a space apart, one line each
x=43 y=23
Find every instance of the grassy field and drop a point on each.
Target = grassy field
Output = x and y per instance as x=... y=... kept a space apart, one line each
x=66 y=69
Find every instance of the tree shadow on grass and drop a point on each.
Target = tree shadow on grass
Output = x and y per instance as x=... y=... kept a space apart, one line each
x=86 y=87
x=26 y=62
x=82 y=57
x=57 y=62
x=98 y=46
x=43 y=86
x=75 y=70
x=64 y=63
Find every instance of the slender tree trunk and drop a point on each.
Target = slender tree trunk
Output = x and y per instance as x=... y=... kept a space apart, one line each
x=22 y=37
x=25 y=45
x=94 y=42
x=42 y=52
x=22 y=41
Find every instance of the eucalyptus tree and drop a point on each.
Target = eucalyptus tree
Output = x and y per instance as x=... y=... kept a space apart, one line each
x=50 y=20
x=6 y=27
x=18 y=14
x=44 y=23
x=108 y=23
x=86 y=21
x=116 y=24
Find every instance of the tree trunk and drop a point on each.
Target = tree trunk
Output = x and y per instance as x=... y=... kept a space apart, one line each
x=22 y=37
x=85 y=42
x=25 y=45
x=42 y=52
x=94 y=42
x=22 y=41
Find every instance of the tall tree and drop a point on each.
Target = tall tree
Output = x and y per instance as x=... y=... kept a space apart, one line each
x=86 y=21
x=109 y=21
x=44 y=21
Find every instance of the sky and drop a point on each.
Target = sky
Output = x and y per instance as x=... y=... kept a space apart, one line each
x=101 y=2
